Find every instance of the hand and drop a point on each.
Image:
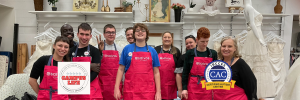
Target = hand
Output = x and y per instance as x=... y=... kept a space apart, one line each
x=95 y=67
x=158 y=96
x=180 y=94
x=100 y=43
x=185 y=94
x=117 y=94
x=263 y=43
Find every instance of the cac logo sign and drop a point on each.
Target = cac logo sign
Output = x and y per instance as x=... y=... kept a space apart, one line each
x=73 y=77
x=218 y=75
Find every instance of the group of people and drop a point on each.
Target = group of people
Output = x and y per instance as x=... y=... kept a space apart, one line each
x=141 y=72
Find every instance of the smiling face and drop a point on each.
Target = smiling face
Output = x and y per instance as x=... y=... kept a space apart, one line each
x=140 y=34
x=84 y=37
x=67 y=31
x=190 y=43
x=61 y=48
x=129 y=36
x=228 y=48
x=167 y=39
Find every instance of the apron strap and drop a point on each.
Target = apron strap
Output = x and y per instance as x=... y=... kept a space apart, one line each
x=209 y=51
x=198 y=77
x=135 y=47
x=50 y=61
x=161 y=50
x=88 y=49
x=50 y=92
x=114 y=46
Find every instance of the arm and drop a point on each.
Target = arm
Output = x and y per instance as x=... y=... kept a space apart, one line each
x=117 y=93
x=179 y=84
x=186 y=71
x=252 y=25
x=157 y=83
x=93 y=75
x=248 y=80
x=95 y=63
x=34 y=85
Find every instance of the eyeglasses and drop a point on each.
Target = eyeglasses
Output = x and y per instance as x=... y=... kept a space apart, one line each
x=140 y=30
x=111 y=33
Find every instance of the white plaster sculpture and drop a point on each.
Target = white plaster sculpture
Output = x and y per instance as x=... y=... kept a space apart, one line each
x=209 y=8
x=255 y=52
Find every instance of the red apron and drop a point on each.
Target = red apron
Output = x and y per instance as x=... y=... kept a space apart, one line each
x=235 y=93
x=48 y=86
x=95 y=93
x=167 y=76
x=107 y=75
x=195 y=90
x=139 y=81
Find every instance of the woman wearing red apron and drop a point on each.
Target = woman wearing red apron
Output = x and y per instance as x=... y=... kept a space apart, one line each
x=195 y=63
x=245 y=86
x=84 y=52
x=168 y=55
x=46 y=68
x=107 y=75
x=140 y=63
x=190 y=43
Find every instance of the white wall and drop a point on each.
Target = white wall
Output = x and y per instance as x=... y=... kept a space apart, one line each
x=28 y=25
x=296 y=31
x=7 y=19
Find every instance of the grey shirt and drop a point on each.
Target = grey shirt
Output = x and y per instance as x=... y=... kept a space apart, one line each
x=112 y=47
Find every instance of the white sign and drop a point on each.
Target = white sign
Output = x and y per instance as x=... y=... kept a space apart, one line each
x=73 y=78
x=234 y=3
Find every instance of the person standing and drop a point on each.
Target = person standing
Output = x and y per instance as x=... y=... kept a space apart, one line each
x=168 y=55
x=67 y=31
x=84 y=52
x=194 y=66
x=128 y=33
x=109 y=63
x=140 y=63
x=48 y=64
x=190 y=43
x=245 y=87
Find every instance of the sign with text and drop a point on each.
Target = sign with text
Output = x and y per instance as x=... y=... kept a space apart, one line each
x=73 y=78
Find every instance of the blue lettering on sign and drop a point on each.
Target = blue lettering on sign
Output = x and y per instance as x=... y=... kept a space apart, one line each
x=217 y=74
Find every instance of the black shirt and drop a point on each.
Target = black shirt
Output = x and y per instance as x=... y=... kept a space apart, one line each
x=94 y=53
x=38 y=67
x=180 y=61
x=175 y=56
x=244 y=78
x=188 y=63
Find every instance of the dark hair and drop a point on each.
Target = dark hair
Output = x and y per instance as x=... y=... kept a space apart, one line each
x=190 y=36
x=173 y=49
x=85 y=27
x=63 y=39
x=142 y=26
x=127 y=29
x=108 y=26
x=203 y=32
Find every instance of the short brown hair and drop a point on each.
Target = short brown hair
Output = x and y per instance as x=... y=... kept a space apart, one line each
x=203 y=32
x=85 y=27
x=108 y=26
x=142 y=26
x=129 y=28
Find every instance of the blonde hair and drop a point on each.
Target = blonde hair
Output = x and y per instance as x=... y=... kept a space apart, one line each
x=235 y=54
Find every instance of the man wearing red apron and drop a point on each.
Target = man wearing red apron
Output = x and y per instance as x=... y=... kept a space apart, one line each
x=87 y=53
x=167 y=75
x=48 y=86
x=107 y=75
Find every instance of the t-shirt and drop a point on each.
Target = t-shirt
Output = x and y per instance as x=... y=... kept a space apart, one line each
x=39 y=66
x=175 y=56
x=127 y=55
x=112 y=47
x=188 y=63
x=94 y=53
